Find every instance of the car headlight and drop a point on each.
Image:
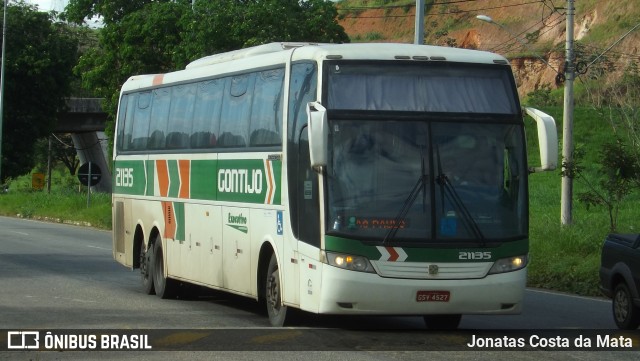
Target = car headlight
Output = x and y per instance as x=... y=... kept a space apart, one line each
x=509 y=264
x=349 y=262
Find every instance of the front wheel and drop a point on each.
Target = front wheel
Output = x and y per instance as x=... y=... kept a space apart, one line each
x=442 y=322
x=625 y=313
x=273 y=293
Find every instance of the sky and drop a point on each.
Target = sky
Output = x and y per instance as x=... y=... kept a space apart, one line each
x=47 y=5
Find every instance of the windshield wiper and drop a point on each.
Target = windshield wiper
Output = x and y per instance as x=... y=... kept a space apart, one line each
x=406 y=206
x=446 y=188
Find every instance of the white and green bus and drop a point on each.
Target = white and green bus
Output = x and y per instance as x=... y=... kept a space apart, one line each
x=363 y=179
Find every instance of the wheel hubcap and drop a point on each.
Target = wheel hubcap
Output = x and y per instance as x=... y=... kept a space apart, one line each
x=621 y=306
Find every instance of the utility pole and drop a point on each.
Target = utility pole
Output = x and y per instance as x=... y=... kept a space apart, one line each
x=4 y=46
x=419 y=35
x=566 y=199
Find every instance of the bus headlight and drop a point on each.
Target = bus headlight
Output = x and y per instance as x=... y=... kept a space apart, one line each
x=509 y=264
x=349 y=262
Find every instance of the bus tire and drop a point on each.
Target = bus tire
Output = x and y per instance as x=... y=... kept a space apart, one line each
x=146 y=271
x=276 y=311
x=442 y=322
x=164 y=287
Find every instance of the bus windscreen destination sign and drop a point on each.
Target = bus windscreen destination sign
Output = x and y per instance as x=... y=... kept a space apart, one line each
x=244 y=180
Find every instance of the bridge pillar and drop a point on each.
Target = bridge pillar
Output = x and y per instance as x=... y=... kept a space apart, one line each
x=92 y=146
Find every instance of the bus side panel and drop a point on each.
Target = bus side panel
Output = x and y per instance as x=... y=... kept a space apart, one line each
x=310 y=277
x=266 y=226
x=236 y=259
x=204 y=235
x=290 y=259
x=122 y=232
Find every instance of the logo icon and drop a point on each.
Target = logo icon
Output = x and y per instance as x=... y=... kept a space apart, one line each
x=433 y=269
x=23 y=340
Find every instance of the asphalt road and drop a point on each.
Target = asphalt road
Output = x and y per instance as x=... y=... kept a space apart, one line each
x=63 y=278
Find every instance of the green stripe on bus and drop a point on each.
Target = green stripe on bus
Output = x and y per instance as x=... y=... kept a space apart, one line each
x=424 y=254
x=129 y=177
x=150 y=177
x=277 y=175
x=178 y=208
x=204 y=179
x=232 y=180
x=174 y=178
x=242 y=180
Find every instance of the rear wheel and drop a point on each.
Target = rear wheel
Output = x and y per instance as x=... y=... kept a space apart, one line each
x=625 y=313
x=442 y=322
x=164 y=287
x=273 y=294
x=146 y=272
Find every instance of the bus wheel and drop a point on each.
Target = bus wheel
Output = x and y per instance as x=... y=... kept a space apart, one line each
x=146 y=262
x=442 y=322
x=275 y=309
x=164 y=287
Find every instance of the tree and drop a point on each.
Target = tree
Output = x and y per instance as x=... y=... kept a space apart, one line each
x=111 y=11
x=146 y=37
x=145 y=41
x=614 y=181
x=40 y=55
x=62 y=151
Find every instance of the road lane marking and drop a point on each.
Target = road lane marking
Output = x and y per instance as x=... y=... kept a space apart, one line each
x=21 y=233
x=181 y=338
x=277 y=337
x=569 y=295
x=102 y=248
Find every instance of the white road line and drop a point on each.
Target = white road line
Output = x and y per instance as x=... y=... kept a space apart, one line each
x=102 y=248
x=568 y=295
x=21 y=233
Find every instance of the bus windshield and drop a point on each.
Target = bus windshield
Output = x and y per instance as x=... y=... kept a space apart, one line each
x=424 y=153
x=457 y=181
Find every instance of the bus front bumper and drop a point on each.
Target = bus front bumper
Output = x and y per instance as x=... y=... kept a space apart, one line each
x=350 y=292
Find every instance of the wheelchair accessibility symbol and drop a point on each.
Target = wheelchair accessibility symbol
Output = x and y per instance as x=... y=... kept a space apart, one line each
x=279 y=226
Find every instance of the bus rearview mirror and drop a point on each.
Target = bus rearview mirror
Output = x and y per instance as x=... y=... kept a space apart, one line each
x=318 y=134
x=548 y=139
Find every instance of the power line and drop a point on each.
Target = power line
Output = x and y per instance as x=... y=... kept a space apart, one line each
x=437 y=14
x=98 y=142
x=383 y=7
x=503 y=44
x=548 y=29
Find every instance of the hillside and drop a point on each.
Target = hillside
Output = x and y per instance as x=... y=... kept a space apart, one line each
x=539 y=23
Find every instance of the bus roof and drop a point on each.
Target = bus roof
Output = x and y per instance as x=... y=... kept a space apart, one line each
x=280 y=52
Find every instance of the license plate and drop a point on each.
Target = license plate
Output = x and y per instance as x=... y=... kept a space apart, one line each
x=433 y=296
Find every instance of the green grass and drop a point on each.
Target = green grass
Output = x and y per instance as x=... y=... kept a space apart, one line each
x=567 y=258
x=564 y=258
x=67 y=203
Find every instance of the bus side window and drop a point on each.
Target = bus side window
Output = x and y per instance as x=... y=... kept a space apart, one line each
x=205 y=125
x=264 y=137
x=140 y=126
x=125 y=121
x=160 y=105
x=236 y=111
x=180 y=116
x=266 y=110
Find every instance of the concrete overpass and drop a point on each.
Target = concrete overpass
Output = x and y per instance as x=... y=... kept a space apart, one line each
x=86 y=120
